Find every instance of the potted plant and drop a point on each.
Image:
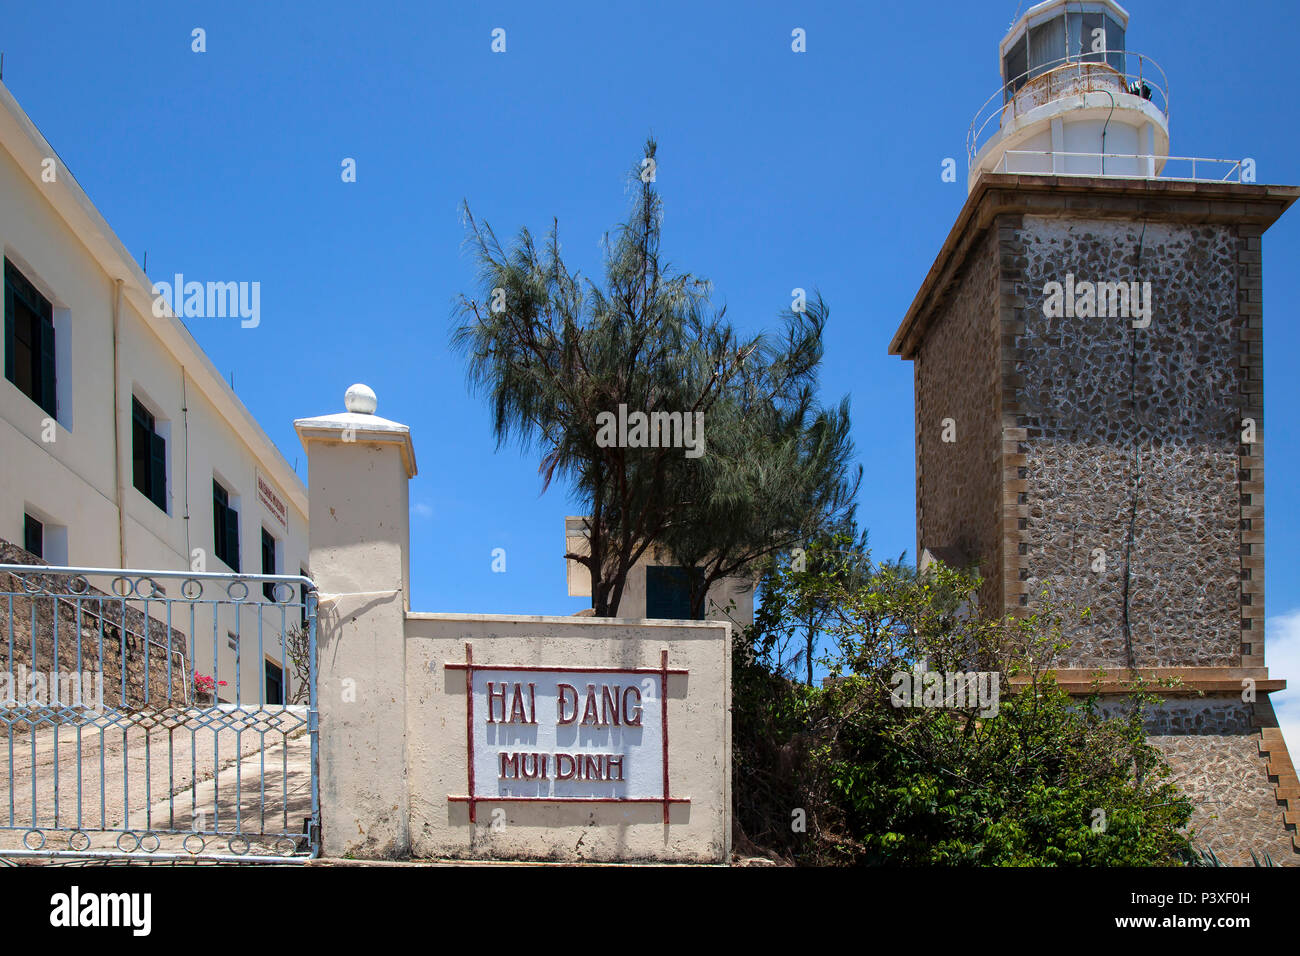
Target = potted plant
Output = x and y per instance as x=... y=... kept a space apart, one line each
x=205 y=688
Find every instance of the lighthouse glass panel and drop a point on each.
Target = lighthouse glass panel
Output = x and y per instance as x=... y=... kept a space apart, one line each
x=1046 y=46
x=1115 y=44
x=1015 y=65
x=1081 y=31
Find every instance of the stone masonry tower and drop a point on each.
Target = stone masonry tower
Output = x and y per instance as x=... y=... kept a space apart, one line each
x=1089 y=404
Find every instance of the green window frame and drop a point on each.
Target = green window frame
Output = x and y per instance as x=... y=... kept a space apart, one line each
x=148 y=455
x=268 y=563
x=225 y=527
x=29 y=341
x=33 y=536
x=273 y=678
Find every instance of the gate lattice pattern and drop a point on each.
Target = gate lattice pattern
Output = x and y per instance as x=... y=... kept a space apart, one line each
x=138 y=725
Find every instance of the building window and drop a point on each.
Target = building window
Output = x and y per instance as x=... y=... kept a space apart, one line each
x=668 y=592
x=274 y=685
x=302 y=598
x=268 y=563
x=33 y=536
x=232 y=642
x=225 y=527
x=45 y=537
x=29 y=340
x=148 y=455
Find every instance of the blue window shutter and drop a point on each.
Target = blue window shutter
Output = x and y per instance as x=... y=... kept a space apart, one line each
x=668 y=592
x=656 y=593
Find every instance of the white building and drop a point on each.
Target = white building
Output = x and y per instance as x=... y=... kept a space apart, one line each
x=120 y=444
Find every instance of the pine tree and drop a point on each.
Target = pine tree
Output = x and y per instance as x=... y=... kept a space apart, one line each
x=555 y=355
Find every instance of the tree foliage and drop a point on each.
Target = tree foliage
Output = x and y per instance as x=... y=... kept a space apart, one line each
x=552 y=351
x=796 y=589
x=1039 y=780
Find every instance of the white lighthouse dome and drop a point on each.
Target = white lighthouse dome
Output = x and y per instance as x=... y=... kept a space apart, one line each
x=1073 y=100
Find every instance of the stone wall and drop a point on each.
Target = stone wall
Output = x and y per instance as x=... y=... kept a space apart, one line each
x=1214 y=745
x=957 y=376
x=1132 y=440
x=1125 y=440
x=104 y=621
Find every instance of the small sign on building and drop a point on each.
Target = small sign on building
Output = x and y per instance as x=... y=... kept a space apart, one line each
x=271 y=501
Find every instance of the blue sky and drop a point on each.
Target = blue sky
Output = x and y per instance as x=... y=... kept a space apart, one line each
x=777 y=170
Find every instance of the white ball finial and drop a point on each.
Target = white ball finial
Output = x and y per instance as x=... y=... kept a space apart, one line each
x=360 y=400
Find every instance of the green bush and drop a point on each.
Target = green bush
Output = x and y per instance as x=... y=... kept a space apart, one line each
x=841 y=775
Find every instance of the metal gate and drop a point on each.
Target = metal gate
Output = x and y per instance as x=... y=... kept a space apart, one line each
x=157 y=715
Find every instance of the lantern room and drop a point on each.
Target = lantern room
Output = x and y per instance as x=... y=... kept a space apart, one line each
x=1074 y=100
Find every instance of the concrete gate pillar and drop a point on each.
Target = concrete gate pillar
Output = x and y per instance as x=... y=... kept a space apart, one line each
x=359 y=467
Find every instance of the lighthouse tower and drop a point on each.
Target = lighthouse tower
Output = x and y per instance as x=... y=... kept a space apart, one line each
x=1087 y=353
x=1073 y=99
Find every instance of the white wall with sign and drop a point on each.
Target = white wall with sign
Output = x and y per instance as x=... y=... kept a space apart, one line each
x=645 y=707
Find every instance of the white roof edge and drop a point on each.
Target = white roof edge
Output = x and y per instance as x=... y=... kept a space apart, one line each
x=107 y=249
x=362 y=423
